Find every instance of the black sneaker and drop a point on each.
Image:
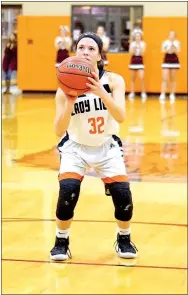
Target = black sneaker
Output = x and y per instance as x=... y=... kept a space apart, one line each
x=61 y=249
x=124 y=247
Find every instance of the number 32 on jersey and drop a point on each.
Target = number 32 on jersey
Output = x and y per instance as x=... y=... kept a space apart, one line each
x=97 y=125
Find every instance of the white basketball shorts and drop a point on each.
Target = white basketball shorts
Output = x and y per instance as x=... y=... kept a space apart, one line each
x=107 y=160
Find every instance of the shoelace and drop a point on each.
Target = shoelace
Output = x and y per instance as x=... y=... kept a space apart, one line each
x=68 y=252
x=118 y=248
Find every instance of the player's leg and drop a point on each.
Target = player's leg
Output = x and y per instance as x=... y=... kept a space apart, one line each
x=70 y=177
x=123 y=204
x=113 y=174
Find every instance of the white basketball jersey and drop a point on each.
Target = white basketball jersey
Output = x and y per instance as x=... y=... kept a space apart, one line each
x=91 y=124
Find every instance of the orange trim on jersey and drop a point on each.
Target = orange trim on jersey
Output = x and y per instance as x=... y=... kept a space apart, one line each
x=117 y=178
x=70 y=175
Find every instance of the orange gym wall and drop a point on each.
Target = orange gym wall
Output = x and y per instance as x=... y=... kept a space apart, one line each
x=36 y=52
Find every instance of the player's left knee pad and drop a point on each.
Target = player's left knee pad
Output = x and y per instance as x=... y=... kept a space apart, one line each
x=122 y=199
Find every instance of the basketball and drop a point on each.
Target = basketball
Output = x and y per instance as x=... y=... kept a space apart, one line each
x=72 y=75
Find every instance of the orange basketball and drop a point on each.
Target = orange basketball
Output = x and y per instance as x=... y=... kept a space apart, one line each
x=72 y=75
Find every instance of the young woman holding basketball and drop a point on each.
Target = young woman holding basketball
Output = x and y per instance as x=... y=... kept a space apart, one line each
x=90 y=139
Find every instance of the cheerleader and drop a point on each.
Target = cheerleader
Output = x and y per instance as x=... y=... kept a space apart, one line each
x=62 y=44
x=137 y=49
x=106 y=43
x=170 y=65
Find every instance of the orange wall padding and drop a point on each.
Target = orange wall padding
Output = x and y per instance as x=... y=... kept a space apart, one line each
x=36 y=52
x=155 y=31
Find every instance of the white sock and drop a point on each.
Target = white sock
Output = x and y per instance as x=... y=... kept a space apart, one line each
x=62 y=233
x=123 y=231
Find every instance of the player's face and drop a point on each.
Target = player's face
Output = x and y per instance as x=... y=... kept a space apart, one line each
x=87 y=48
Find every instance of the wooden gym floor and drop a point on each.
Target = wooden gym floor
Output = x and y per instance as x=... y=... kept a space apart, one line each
x=155 y=146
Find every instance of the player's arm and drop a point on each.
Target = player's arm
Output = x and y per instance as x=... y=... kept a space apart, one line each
x=116 y=103
x=117 y=109
x=64 y=107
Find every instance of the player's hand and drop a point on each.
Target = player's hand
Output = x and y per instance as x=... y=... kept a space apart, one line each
x=95 y=85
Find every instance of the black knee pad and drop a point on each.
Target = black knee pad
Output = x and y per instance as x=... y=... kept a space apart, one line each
x=122 y=199
x=68 y=196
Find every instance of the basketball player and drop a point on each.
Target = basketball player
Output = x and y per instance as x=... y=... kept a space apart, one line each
x=63 y=45
x=137 y=49
x=88 y=126
x=106 y=43
x=170 y=65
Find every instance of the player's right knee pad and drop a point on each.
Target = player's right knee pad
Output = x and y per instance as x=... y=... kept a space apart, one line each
x=68 y=196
